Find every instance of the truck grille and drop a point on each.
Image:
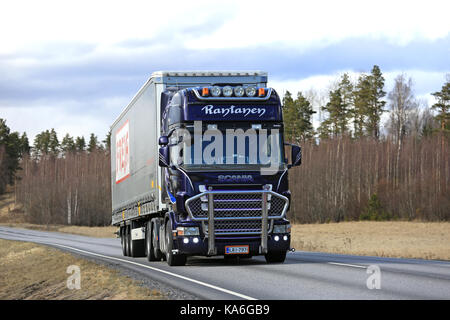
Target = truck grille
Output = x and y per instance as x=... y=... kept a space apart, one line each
x=236 y=212
x=236 y=226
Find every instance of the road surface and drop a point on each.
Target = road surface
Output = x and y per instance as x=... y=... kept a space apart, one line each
x=304 y=275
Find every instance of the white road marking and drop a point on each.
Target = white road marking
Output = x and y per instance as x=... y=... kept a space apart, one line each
x=347 y=265
x=163 y=271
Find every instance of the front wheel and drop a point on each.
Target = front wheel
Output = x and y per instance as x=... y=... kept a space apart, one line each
x=275 y=256
x=172 y=259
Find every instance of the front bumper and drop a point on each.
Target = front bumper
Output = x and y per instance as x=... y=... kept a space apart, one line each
x=190 y=248
x=233 y=213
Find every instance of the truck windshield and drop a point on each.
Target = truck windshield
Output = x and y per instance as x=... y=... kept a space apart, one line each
x=228 y=149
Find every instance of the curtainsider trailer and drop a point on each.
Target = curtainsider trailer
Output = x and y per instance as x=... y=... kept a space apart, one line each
x=199 y=168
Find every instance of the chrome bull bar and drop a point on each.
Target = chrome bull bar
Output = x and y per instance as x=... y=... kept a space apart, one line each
x=211 y=217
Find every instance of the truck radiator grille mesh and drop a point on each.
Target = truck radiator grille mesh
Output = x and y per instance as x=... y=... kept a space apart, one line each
x=237 y=212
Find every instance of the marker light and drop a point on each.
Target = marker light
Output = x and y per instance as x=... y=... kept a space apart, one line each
x=250 y=91
x=215 y=91
x=227 y=91
x=239 y=91
x=205 y=91
x=261 y=92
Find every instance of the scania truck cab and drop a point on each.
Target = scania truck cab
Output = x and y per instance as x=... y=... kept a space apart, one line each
x=222 y=179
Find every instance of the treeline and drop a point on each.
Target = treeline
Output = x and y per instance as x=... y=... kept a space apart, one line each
x=65 y=182
x=73 y=188
x=357 y=166
x=344 y=180
x=12 y=147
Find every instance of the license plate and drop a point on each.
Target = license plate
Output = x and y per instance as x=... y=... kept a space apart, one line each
x=237 y=250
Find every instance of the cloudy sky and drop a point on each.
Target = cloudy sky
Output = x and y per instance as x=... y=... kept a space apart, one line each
x=74 y=65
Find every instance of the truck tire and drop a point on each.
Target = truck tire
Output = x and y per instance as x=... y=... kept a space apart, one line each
x=137 y=247
x=275 y=257
x=126 y=239
x=172 y=259
x=155 y=239
x=149 y=249
x=123 y=240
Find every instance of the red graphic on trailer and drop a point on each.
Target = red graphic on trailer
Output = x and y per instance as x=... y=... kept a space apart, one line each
x=123 y=152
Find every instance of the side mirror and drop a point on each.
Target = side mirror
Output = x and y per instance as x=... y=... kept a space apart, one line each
x=163 y=141
x=164 y=158
x=296 y=155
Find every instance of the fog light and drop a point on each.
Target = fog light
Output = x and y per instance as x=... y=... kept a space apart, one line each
x=276 y=238
x=195 y=240
x=285 y=238
x=186 y=240
x=215 y=91
x=250 y=91
x=239 y=91
x=227 y=91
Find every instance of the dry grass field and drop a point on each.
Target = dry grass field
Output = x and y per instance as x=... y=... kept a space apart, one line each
x=35 y=272
x=423 y=240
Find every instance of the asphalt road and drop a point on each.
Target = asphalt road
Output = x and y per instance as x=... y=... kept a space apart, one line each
x=304 y=275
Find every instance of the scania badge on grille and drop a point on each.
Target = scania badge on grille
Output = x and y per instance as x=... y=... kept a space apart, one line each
x=235 y=178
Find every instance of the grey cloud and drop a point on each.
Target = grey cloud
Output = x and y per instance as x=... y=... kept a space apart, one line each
x=96 y=76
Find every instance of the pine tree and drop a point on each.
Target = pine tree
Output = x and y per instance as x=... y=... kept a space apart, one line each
x=324 y=130
x=80 y=144
x=290 y=117
x=67 y=144
x=93 y=143
x=24 y=144
x=53 y=143
x=297 y=116
x=361 y=101
x=305 y=112
x=443 y=107
x=338 y=113
x=42 y=143
x=11 y=145
x=375 y=105
x=107 y=142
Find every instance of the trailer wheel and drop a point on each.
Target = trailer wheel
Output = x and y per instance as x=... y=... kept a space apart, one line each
x=123 y=241
x=172 y=259
x=155 y=239
x=275 y=256
x=149 y=250
x=126 y=239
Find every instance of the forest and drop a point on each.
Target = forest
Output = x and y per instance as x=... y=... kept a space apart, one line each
x=374 y=155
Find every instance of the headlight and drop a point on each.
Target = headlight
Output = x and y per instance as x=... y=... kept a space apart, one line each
x=250 y=91
x=188 y=231
x=281 y=228
x=215 y=91
x=227 y=91
x=239 y=91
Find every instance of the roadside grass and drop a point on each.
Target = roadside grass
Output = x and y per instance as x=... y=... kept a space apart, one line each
x=400 y=239
x=35 y=272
